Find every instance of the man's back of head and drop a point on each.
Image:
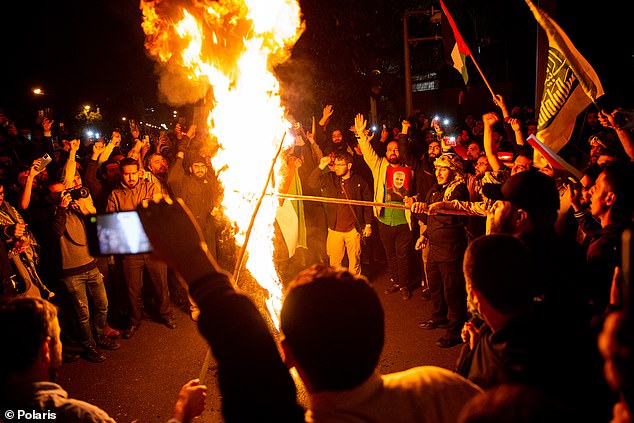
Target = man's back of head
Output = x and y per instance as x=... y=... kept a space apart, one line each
x=499 y=268
x=534 y=201
x=25 y=324
x=333 y=324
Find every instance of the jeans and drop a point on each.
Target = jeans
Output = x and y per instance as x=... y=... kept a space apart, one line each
x=85 y=287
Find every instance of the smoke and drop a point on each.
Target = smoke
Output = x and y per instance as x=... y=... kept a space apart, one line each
x=177 y=90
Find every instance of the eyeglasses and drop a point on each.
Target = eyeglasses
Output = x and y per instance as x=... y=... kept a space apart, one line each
x=596 y=140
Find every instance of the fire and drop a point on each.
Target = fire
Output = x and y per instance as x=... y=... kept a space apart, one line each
x=223 y=52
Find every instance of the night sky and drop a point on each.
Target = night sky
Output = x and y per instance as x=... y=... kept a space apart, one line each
x=91 y=52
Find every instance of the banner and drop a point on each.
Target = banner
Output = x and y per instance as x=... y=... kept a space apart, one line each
x=570 y=85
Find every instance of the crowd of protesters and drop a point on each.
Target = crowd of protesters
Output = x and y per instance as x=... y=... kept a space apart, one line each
x=520 y=258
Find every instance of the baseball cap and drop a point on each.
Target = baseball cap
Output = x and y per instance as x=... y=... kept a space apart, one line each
x=532 y=191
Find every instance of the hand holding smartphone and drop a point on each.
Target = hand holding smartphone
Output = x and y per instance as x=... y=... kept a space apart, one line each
x=42 y=162
x=116 y=233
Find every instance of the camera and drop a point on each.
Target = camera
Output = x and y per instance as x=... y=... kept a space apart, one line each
x=77 y=193
x=116 y=233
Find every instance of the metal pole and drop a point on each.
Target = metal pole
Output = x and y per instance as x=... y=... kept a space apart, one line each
x=407 y=65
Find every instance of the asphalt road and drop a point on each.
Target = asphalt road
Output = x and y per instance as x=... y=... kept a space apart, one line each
x=139 y=382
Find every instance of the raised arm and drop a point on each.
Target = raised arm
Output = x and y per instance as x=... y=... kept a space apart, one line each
x=325 y=115
x=403 y=144
x=249 y=364
x=25 y=193
x=320 y=131
x=490 y=119
x=115 y=141
x=369 y=155
x=498 y=100
x=617 y=122
x=71 y=165
x=516 y=125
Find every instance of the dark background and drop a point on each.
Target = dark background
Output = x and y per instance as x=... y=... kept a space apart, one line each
x=91 y=52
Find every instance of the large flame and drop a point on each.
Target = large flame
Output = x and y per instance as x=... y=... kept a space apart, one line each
x=223 y=52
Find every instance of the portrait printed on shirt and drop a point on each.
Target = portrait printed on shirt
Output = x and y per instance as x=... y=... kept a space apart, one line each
x=397 y=183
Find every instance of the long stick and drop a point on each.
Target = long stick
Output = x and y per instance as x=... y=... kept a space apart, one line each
x=236 y=270
x=482 y=74
x=331 y=200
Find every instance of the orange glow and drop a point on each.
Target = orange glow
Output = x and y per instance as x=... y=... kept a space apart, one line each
x=222 y=53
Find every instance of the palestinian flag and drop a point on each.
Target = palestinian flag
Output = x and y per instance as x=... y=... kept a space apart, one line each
x=290 y=214
x=454 y=44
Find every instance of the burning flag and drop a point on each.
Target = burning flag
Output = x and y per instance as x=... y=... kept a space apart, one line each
x=570 y=85
x=290 y=214
x=221 y=54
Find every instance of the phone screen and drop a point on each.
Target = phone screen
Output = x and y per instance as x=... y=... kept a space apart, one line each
x=116 y=233
x=450 y=141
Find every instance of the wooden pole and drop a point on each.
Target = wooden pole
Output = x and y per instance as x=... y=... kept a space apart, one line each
x=330 y=200
x=482 y=75
x=236 y=271
x=243 y=249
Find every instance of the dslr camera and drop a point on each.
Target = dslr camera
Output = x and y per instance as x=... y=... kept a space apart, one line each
x=78 y=192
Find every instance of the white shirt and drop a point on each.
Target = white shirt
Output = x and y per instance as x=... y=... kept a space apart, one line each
x=420 y=394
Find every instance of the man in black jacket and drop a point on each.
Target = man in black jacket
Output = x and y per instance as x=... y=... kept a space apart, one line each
x=447 y=243
x=346 y=223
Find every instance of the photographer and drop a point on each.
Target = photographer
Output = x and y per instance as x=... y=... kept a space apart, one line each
x=77 y=269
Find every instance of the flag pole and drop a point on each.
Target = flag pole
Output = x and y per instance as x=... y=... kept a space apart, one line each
x=236 y=270
x=482 y=75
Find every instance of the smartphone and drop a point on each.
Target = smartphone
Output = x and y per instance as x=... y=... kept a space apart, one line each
x=42 y=162
x=116 y=233
x=505 y=156
x=450 y=141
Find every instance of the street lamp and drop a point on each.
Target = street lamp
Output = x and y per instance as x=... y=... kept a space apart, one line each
x=38 y=91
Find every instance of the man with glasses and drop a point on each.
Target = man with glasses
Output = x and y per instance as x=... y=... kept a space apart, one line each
x=347 y=223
